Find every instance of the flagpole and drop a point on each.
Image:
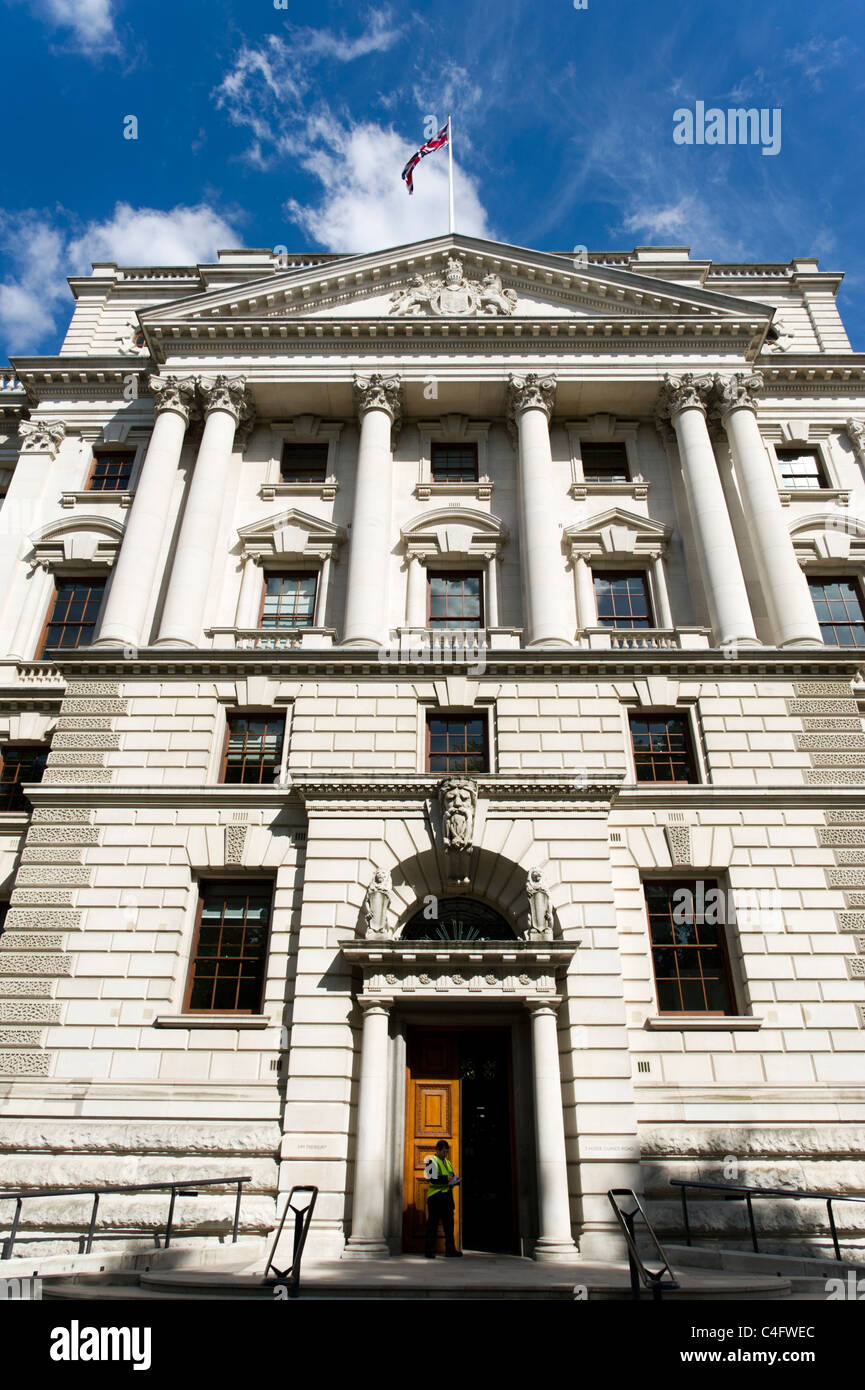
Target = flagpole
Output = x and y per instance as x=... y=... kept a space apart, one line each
x=451 y=174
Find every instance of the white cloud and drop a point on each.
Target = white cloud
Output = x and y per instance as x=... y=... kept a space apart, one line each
x=91 y=22
x=817 y=56
x=365 y=204
x=147 y=236
x=43 y=254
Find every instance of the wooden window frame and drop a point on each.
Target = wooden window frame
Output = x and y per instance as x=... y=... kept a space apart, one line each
x=684 y=717
x=615 y=625
x=447 y=477
x=855 y=580
x=4 y=751
x=454 y=574
x=723 y=943
x=810 y=450
x=319 y=446
x=129 y=454
x=606 y=446
x=266 y=715
x=242 y=883
x=454 y=716
x=288 y=574
x=59 y=579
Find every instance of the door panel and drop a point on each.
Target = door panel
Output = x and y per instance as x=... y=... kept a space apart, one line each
x=432 y=1113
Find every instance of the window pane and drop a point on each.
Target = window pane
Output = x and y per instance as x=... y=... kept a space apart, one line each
x=304 y=463
x=692 y=975
x=604 y=463
x=289 y=600
x=457 y=744
x=230 y=953
x=254 y=754
x=74 y=613
x=454 y=463
x=622 y=600
x=838 y=606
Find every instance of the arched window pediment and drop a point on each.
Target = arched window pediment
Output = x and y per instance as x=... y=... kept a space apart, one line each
x=457 y=919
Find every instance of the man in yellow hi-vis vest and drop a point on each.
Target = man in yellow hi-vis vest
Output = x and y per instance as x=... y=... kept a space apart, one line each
x=440 y=1200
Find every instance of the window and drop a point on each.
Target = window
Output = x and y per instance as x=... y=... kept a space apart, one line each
x=605 y=463
x=662 y=748
x=455 y=600
x=800 y=468
x=454 y=463
x=838 y=604
x=289 y=600
x=304 y=463
x=20 y=764
x=622 y=600
x=73 y=616
x=111 y=472
x=689 y=949
x=230 y=951
x=253 y=749
x=457 y=743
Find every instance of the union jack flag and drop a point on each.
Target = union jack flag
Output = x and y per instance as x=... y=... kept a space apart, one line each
x=434 y=144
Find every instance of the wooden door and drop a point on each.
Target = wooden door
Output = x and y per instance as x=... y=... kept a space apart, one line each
x=432 y=1113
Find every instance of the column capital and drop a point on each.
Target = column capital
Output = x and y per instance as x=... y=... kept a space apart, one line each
x=228 y=393
x=686 y=392
x=537 y=1007
x=375 y=1006
x=530 y=392
x=176 y=394
x=737 y=392
x=856 y=434
x=379 y=392
x=42 y=436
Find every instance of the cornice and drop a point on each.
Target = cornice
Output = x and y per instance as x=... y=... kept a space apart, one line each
x=706 y=795
x=529 y=663
x=595 y=784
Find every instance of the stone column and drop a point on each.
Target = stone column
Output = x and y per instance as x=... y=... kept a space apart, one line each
x=683 y=402
x=378 y=400
x=587 y=608
x=225 y=403
x=785 y=586
x=491 y=597
x=663 y=615
x=25 y=509
x=367 y=1241
x=530 y=405
x=322 y=584
x=415 y=596
x=248 y=610
x=555 y=1241
x=132 y=581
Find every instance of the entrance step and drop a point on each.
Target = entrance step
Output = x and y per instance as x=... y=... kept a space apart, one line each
x=475 y=1277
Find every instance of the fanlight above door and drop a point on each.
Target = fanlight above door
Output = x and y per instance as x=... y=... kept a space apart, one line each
x=457 y=919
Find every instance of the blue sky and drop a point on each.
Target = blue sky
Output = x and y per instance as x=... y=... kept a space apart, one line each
x=265 y=126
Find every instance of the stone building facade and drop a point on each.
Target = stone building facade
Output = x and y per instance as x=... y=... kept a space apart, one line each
x=430 y=706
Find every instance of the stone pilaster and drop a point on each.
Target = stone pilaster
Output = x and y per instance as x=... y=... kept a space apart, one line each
x=379 y=404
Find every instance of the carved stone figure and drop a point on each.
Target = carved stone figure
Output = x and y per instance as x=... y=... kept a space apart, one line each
x=457 y=799
x=540 y=911
x=376 y=904
x=453 y=295
x=494 y=298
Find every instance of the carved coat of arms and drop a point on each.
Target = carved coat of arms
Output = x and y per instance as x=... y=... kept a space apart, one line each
x=454 y=295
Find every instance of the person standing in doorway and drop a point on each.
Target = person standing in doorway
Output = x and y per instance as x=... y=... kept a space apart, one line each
x=440 y=1200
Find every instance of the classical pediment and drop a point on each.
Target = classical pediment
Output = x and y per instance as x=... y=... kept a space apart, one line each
x=455 y=279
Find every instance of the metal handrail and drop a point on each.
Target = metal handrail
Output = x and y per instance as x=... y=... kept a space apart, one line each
x=652 y=1278
x=177 y=1189
x=302 y=1219
x=748 y=1191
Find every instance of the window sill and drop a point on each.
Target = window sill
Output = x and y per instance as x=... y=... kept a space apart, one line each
x=482 y=490
x=703 y=1023
x=212 y=1021
x=76 y=499
x=637 y=488
x=326 y=490
x=814 y=494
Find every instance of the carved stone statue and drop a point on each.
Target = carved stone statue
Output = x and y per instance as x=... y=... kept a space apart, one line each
x=494 y=298
x=457 y=799
x=453 y=295
x=540 y=912
x=376 y=904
